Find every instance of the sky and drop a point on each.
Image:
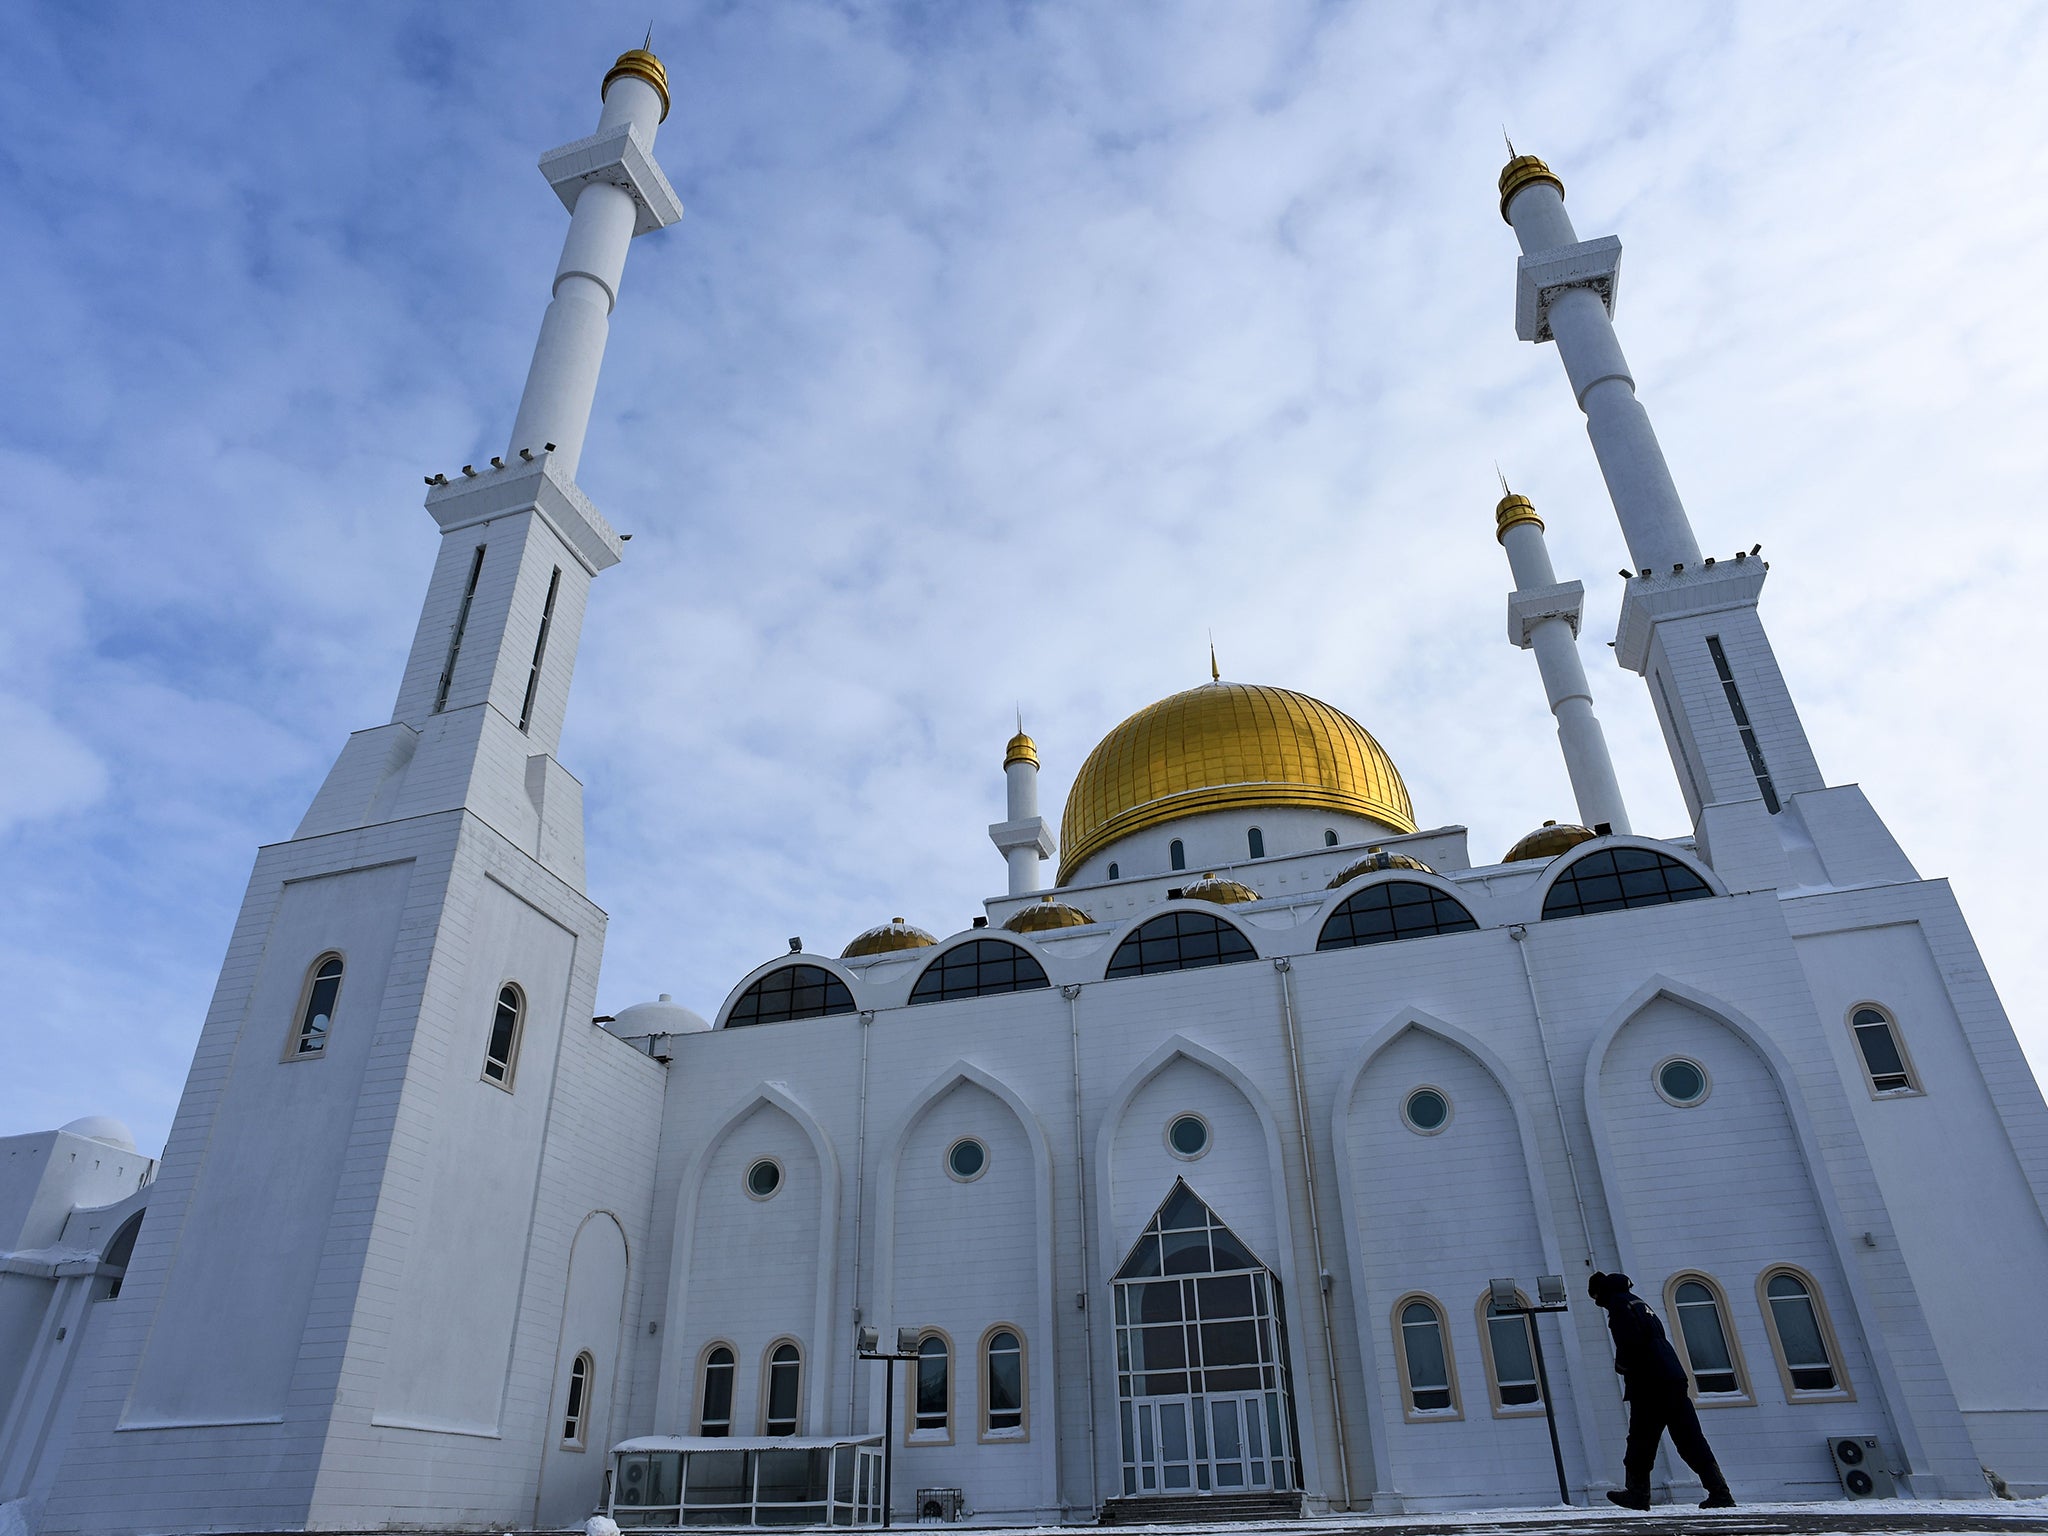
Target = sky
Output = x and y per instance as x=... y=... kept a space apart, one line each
x=1004 y=354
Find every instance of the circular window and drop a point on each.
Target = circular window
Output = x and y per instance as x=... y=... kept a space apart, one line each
x=966 y=1159
x=1427 y=1111
x=1682 y=1081
x=1187 y=1136
x=764 y=1177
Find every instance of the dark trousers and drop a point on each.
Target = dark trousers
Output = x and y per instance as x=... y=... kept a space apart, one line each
x=1649 y=1416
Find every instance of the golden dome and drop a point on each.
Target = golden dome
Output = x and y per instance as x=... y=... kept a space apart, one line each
x=1524 y=171
x=1022 y=749
x=1225 y=892
x=641 y=65
x=1226 y=746
x=1514 y=508
x=892 y=935
x=1548 y=841
x=1376 y=859
x=1044 y=916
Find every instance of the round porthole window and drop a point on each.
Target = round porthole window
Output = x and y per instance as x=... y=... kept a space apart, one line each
x=764 y=1177
x=967 y=1159
x=1187 y=1136
x=1682 y=1081
x=1426 y=1111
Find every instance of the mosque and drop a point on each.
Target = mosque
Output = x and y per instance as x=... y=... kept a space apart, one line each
x=1213 y=1176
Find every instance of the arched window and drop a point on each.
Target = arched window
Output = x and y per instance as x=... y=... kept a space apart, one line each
x=1255 y=840
x=1112 y=870
x=979 y=968
x=1179 y=941
x=1176 y=854
x=501 y=1056
x=792 y=992
x=714 y=1399
x=1612 y=879
x=1329 y=838
x=1422 y=1345
x=1510 y=1358
x=785 y=1382
x=1801 y=1335
x=1885 y=1067
x=114 y=1262
x=1002 y=1384
x=1704 y=1338
x=1390 y=910
x=575 y=1418
x=316 y=1012
x=930 y=1407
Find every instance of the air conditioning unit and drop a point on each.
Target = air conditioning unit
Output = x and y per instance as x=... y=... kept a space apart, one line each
x=940 y=1506
x=1859 y=1464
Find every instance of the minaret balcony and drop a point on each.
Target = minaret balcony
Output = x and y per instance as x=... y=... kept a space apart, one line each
x=534 y=485
x=617 y=158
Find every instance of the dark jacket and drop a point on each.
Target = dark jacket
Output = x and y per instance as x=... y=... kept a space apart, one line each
x=1648 y=1364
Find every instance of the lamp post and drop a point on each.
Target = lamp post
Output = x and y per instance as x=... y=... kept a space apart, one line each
x=868 y=1346
x=1550 y=1297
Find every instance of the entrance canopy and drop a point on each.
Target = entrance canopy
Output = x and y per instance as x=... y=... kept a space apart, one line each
x=669 y=1481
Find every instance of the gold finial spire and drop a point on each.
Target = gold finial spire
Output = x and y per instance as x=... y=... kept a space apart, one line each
x=1521 y=172
x=1022 y=749
x=641 y=64
x=1215 y=676
x=1513 y=509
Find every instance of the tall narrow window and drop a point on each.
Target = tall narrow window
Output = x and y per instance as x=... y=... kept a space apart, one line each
x=476 y=570
x=1799 y=1329
x=930 y=1405
x=1176 y=854
x=714 y=1415
x=1002 y=1396
x=573 y=1425
x=1703 y=1336
x=785 y=1379
x=1884 y=1058
x=540 y=649
x=1425 y=1355
x=1255 y=840
x=502 y=1055
x=323 y=986
x=1749 y=743
x=1510 y=1358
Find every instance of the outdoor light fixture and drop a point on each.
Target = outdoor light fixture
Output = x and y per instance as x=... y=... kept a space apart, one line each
x=796 y=946
x=1505 y=1298
x=867 y=1344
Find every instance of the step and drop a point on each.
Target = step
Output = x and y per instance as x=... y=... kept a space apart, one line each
x=1201 y=1509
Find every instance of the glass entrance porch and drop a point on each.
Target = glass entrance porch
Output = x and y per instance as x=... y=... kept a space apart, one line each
x=1204 y=1395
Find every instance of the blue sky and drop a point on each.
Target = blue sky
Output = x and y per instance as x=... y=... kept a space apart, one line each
x=1004 y=352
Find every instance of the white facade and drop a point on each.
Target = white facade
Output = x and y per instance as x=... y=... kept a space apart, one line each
x=428 y=1241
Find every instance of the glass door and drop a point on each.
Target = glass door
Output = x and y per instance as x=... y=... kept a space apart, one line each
x=1237 y=1443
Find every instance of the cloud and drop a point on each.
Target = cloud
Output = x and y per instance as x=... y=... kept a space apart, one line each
x=1002 y=355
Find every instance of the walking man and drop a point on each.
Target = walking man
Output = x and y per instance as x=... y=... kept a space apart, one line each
x=1655 y=1385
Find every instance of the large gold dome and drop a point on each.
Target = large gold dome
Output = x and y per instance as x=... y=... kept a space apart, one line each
x=1220 y=747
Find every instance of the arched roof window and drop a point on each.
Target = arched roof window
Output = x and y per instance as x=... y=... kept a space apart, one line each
x=1615 y=879
x=791 y=992
x=1393 y=909
x=1179 y=941
x=981 y=968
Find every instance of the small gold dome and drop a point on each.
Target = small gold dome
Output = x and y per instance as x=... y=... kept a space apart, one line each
x=1022 y=749
x=1225 y=892
x=1548 y=841
x=892 y=935
x=641 y=65
x=1046 y=915
x=1227 y=746
x=1376 y=859
x=1514 y=509
x=1524 y=171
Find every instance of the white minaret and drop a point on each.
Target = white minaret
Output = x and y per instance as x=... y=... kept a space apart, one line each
x=1543 y=616
x=1024 y=840
x=337 y=1279
x=1689 y=625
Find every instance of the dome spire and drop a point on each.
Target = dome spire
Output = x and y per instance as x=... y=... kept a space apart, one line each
x=1215 y=676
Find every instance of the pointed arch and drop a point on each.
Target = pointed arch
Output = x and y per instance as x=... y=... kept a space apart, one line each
x=1039 y=1347
x=1368 y=1322
x=677 y=1375
x=1778 y=1066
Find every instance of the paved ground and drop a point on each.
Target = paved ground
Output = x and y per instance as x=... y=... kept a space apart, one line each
x=1872 y=1518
